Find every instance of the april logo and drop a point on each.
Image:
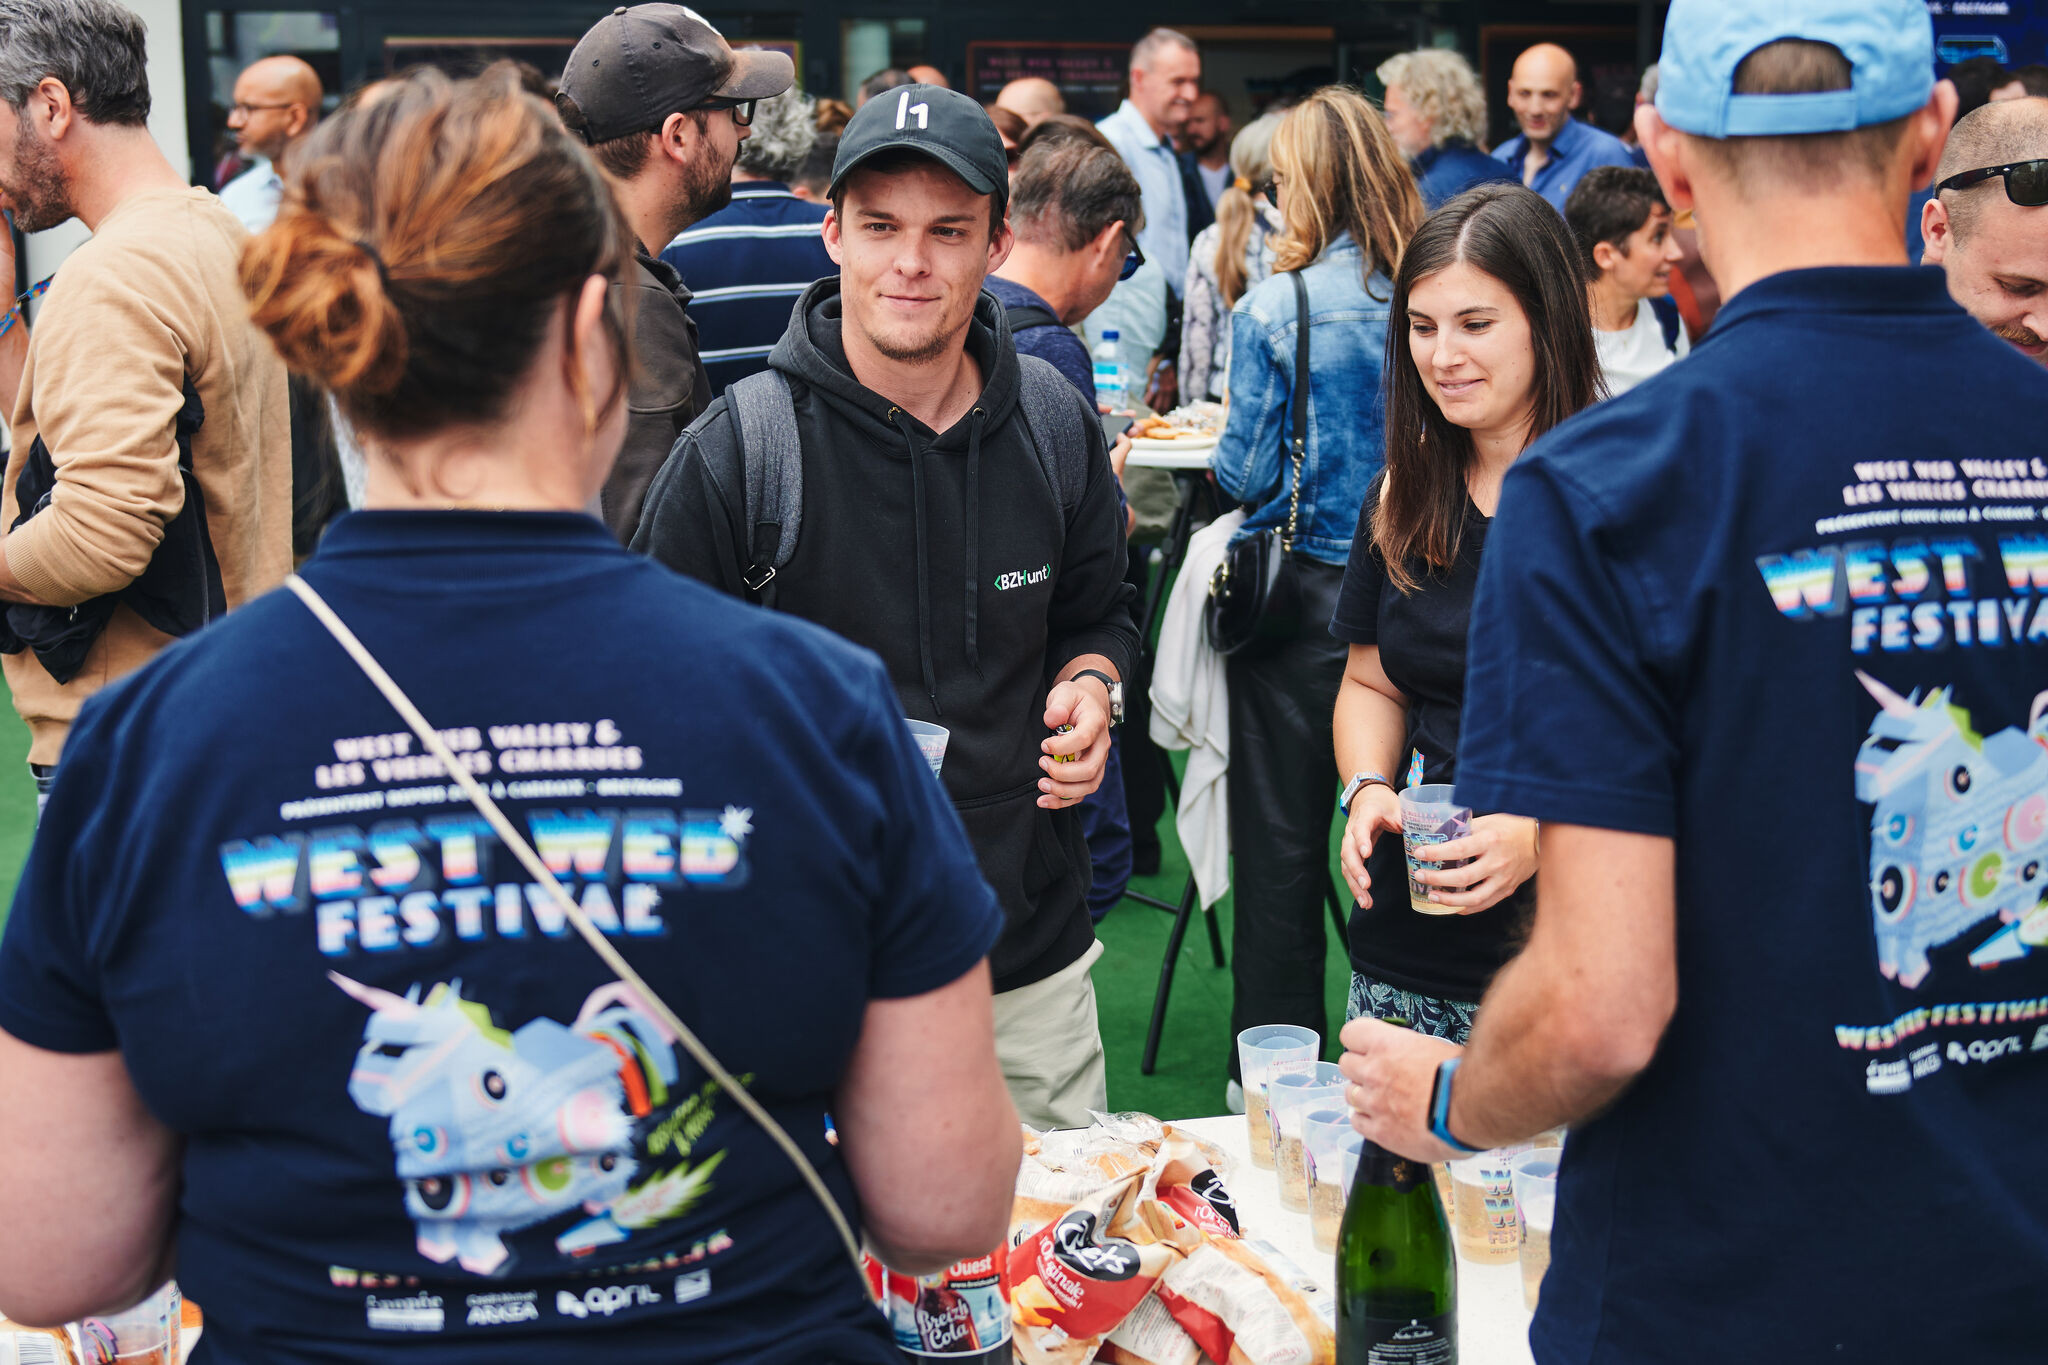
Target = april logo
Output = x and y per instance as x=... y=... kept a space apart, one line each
x=904 y=109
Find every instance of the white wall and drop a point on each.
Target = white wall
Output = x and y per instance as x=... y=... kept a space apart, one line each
x=163 y=18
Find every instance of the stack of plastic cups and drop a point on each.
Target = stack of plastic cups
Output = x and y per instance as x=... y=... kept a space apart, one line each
x=1484 y=1219
x=1259 y=1050
x=1332 y=1147
x=1292 y=1089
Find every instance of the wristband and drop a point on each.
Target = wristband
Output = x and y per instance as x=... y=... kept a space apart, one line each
x=1440 y=1108
x=1358 y=783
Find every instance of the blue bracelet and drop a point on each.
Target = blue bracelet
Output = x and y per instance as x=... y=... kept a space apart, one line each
x=1440 y=1107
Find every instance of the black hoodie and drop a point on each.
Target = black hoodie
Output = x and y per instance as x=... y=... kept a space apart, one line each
x=949 y=555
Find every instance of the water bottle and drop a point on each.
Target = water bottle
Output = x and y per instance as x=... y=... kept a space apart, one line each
x=1109 y=373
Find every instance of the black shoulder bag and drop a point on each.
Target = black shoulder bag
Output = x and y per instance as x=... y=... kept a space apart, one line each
x=1255 y=593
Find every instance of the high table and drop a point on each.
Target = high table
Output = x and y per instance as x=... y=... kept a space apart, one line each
x=1493 y=1327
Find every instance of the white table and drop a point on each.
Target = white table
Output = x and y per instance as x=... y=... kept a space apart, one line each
x=1493 y=1327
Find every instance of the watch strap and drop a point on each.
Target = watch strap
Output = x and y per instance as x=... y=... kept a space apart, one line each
x=1440 y=1107
x=1358 y=783
x=1110 y=685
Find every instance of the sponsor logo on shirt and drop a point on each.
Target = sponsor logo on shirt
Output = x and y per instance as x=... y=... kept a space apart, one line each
x=604 y=1300
x=693 y=1286
x=416 y=1313
x=495 y=1310
x=1023 y=578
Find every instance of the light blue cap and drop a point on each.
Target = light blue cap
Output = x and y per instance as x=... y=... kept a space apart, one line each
x=1889 y=44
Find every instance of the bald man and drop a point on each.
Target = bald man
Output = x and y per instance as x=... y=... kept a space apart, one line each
x=277 y=100
x=1990 y=233
x=1033 y=99
x=1554 y=149
x=930 y=75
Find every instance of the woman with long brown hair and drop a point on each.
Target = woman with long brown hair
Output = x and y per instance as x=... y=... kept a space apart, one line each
x=1491 y=347
x=287 y=1012
x=1350 y=206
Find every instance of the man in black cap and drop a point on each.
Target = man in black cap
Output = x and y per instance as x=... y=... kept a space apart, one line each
x=907 y=479
x=664 y=104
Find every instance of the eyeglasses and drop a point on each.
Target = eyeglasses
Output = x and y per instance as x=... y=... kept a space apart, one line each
x=1133 y=262
x=742 y=110
x=246 y=109
x=2026 y=182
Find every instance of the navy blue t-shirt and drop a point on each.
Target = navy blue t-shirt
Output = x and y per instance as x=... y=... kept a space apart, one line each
x=420 y=1118
x=1787 y=605
x=1053 y=343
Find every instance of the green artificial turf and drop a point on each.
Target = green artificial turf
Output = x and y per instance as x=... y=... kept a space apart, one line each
x=17 y=804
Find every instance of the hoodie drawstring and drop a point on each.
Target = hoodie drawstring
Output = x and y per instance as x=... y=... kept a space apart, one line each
x=901 y=420
x=973 y=537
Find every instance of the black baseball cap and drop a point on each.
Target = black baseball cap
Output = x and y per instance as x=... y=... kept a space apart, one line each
x=637 y=66
x=936 y=122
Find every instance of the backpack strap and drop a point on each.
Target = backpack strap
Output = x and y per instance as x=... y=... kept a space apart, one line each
x=772 y=462
x=1022 y=317
x=1667 y=318
x=1054 y=415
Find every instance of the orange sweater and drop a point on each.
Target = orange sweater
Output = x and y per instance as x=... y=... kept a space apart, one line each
x=151 y=298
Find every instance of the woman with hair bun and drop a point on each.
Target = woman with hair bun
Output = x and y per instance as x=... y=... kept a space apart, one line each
x=279 y=1008
x=1229 y=256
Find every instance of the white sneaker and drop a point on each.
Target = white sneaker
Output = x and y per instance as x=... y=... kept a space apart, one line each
x=1233 y=1097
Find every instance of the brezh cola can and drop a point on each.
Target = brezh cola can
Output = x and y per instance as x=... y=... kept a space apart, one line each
x=960 y=1315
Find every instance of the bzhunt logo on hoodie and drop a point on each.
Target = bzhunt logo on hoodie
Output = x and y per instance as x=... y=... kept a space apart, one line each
x=1023 y=578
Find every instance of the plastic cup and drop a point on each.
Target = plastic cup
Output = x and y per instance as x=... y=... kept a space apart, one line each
x=931 y=742
x=1488 y=1231
x=1535 y=1180
x=1292 y=1089
x=1429 y=815
x=1326 y=1134
x=1259 y=1050
x=147 y=1334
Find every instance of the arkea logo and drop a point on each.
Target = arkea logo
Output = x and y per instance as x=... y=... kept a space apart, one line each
x=1023 y=578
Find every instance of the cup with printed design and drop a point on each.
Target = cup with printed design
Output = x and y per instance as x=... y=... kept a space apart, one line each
x=1484 y=1194
x=1326 y=1137
x=931 y=742
x=147 y=1334
x=1259 y=1050
x=1430 y=815
x=1292 y=1089
x=1535 y=1179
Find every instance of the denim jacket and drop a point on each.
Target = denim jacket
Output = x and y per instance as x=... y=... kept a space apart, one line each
x=1346 y=414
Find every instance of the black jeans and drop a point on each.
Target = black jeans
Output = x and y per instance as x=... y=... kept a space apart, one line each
x=1283 y=792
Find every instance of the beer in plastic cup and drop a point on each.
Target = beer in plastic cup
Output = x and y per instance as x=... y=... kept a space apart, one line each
x=1535 y=1180
x=1429 y=815
x=1326 y=1137
x=1293 y=1088
x=1488 y=1232
x=931 y=742
x=1259 y=1050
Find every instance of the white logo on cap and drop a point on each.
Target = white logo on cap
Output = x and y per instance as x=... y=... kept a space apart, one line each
x=904 y=108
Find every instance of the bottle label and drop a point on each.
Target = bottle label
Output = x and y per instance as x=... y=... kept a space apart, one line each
x=1415 y=1341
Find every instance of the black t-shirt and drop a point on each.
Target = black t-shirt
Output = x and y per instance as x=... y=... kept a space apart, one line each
x=1421 y=638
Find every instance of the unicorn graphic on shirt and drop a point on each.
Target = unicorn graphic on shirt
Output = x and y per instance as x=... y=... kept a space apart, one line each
x=494 y=1131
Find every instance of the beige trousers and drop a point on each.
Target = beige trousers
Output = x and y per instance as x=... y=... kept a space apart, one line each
x=1051 y=1049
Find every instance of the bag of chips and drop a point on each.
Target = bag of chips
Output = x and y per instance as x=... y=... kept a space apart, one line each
x=1149 y=1336
x=1184 y=1199
x=1240 y=1312
x=1072 y=1280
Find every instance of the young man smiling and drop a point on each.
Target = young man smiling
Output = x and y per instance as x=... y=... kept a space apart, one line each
x=958 y=516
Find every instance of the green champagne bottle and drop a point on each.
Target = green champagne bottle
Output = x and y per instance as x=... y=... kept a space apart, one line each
x=1397 y=1279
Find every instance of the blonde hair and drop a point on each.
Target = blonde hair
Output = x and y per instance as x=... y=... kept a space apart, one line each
x=1441 y=86
x=1343 y=174
x=1251 y=166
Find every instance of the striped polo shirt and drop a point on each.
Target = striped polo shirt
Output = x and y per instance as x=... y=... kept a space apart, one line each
x=745 y=265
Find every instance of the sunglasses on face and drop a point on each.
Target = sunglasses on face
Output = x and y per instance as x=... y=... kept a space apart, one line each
x=742 y=110
x=1132 y=262
x=2026 y=182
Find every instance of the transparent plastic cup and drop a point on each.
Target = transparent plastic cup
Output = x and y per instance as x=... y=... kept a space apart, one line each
x=147 y=1334
x=931 y=742
x=1429 y=815
x=1535 y=1179
x=1259 y=1050
x=1292 y=1089
x=1487 y=1229
x=1326 y=1135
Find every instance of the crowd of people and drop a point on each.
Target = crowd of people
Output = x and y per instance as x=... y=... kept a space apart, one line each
x=1636 y=487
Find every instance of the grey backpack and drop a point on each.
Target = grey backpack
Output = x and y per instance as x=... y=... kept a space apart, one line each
x=765 y=412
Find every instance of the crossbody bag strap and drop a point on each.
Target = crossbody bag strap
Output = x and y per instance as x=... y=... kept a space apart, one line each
x=1297 y=444
x=538 y=870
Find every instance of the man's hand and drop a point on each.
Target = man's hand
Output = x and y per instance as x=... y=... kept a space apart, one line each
x=1374 y=811
x=1119 y=452
x=1082 y=703
x=1391 y=1071
x=1503 y=853
x=1162 y=393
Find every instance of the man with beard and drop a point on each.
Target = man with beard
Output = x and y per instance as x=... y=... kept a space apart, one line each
x=1205 y=150
x=663 y=103
x=277 y=102
x=151 y=439
x=1987 y=224
x=958 y=516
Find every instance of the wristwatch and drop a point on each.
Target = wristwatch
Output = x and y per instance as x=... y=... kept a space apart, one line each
x=1116 y=693
x=1358 y=783
x=1440 y=1107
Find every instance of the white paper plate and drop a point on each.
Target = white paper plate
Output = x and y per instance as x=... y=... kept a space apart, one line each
x=1188 y=444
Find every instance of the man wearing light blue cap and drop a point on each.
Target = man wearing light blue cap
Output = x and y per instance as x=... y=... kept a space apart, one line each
x=1762 y=643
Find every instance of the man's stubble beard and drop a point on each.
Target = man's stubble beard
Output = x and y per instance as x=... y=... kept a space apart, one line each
x=707 y=188
x=36 y=183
